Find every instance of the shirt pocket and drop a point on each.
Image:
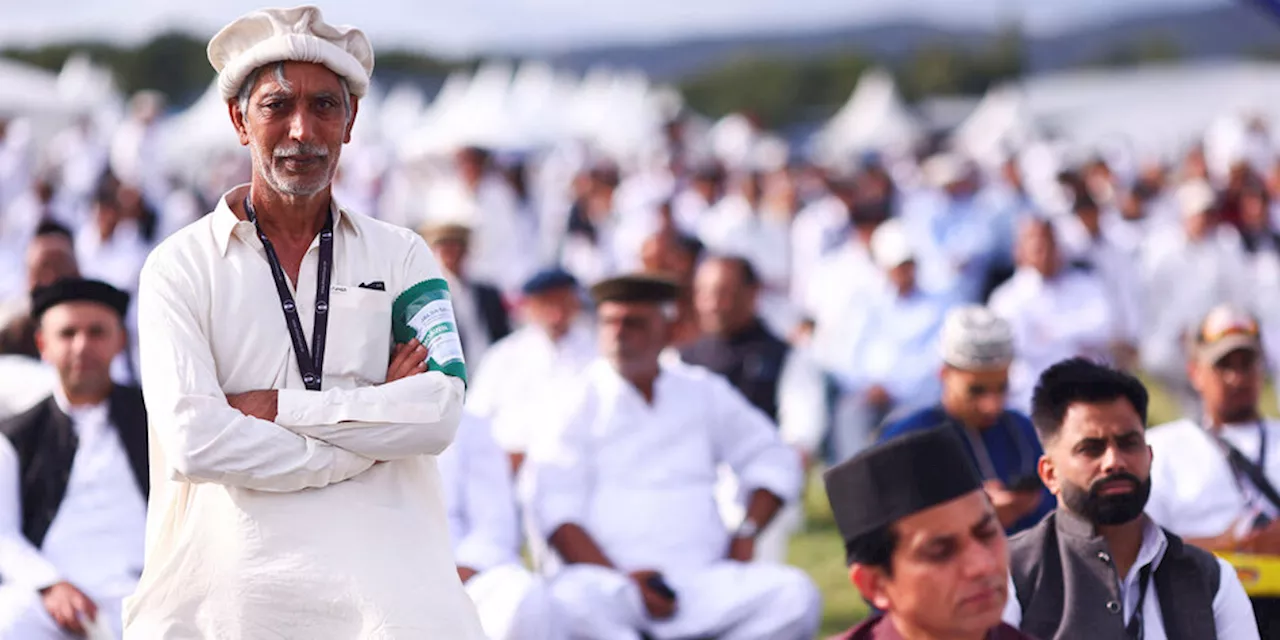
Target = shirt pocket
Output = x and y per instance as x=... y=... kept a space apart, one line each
x=358 y=347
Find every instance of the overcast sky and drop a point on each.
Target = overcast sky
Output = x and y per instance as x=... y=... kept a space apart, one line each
x=458 y=27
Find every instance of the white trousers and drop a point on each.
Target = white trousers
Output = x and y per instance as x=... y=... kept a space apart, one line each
x=728 y=601
x=23 y=617
x=513 y=604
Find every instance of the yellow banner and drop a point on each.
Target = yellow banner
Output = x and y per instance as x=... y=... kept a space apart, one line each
x=1260 y=575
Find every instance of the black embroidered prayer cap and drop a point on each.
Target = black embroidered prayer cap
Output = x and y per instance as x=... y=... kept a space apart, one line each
x=78 y=290
x=635 y=288
x=897 y=478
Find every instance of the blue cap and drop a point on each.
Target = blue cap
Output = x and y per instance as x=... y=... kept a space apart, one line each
x=547 y=280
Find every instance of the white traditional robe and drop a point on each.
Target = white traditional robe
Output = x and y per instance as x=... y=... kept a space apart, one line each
x=640 y=479
x=1052 y=320
x=328 y=522
x=524 y=371
x=478 y=491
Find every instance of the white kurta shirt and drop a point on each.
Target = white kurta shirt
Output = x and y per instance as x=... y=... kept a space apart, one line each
x=1194 y=493
x=524 y=371
x=478 y=491
x=95 y=541
x=1052 y=320
x=1232 y=613
x=640 y=478
x=290 y=528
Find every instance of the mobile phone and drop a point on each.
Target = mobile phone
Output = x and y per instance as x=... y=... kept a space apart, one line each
x=1029 y=482
x=661 y=588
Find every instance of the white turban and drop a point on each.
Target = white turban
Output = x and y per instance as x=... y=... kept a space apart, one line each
x=298 y=34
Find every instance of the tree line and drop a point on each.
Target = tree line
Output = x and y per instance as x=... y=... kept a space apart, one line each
x=777 y=89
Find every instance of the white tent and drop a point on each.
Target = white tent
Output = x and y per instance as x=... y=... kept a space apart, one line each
x=874 y=118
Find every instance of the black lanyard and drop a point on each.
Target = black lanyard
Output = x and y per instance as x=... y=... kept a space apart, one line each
x=310 y=361
x=1262 y=455
x=1136 y=629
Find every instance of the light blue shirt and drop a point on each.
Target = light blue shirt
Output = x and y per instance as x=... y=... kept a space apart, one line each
x=893 y=342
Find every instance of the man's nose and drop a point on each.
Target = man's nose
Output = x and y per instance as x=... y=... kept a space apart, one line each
x=300 y=126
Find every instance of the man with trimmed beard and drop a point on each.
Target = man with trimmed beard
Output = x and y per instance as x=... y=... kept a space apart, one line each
x=1098 y=567
x=294 y=481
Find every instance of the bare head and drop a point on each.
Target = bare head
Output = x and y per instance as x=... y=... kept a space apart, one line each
x=51 y=256
x=724 y=294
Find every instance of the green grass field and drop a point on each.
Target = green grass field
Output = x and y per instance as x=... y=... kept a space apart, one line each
x=819 y=552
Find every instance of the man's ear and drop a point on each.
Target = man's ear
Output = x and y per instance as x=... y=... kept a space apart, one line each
x=39 y=340
x=355 y=108
x=870 y=582
x=237 y=120
x=1048 y=474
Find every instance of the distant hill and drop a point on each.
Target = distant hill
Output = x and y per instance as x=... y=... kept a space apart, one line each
x=1230 y=31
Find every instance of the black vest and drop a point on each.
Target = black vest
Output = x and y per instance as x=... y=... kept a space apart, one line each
x=46 y=442
x=751 y=360
x=1068 y=588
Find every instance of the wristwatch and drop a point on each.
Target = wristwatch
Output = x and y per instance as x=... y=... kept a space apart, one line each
x=748 y=529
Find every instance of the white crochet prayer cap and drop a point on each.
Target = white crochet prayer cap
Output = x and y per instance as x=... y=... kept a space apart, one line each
x=299 y=34
x=976 y=339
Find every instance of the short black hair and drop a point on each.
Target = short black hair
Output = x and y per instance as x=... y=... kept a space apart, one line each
x=750 y=278
x=873 y=549
x=51 y=228
x=1079 y=380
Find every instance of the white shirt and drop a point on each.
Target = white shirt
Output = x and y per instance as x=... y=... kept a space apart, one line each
x=890 y=340
x=1116 y=269
x=524 y=371
x=289 y=527
x=1232 y=612
x=95 y=541
x=640 y=478
x=1193 y=490
x=1181 y=282
x=476 y=481
x=25 y=382
x=117 y=260
x=1052 y=320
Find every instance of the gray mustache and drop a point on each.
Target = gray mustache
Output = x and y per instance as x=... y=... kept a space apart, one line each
x=301 y=150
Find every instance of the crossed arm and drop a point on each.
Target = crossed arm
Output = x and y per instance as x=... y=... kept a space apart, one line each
x=316 y=439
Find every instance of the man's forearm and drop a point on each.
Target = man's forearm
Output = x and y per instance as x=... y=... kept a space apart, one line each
x=413 y=416
x=762 y=507
x=576 y=546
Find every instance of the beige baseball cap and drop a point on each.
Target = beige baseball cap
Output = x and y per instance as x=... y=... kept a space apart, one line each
x=1226 y=328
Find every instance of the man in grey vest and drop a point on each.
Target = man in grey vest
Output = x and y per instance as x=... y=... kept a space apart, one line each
x=922 y=539
x=1098 y=567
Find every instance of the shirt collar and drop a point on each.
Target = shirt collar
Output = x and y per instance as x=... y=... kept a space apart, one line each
x=225 y=220
x=1154 y=542
x=80 y=415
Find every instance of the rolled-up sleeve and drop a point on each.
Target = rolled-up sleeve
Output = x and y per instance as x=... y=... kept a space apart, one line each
x=747 y=441
x=560 y=478
x=203 y=438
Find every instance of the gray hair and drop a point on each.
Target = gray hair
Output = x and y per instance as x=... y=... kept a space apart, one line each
x=246 y=89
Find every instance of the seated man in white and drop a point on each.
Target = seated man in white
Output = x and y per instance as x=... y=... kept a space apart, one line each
x=476 y=481
x=622 y=485
x=73 y=477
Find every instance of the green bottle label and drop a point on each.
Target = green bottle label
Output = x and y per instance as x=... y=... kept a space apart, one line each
x=425 y=311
